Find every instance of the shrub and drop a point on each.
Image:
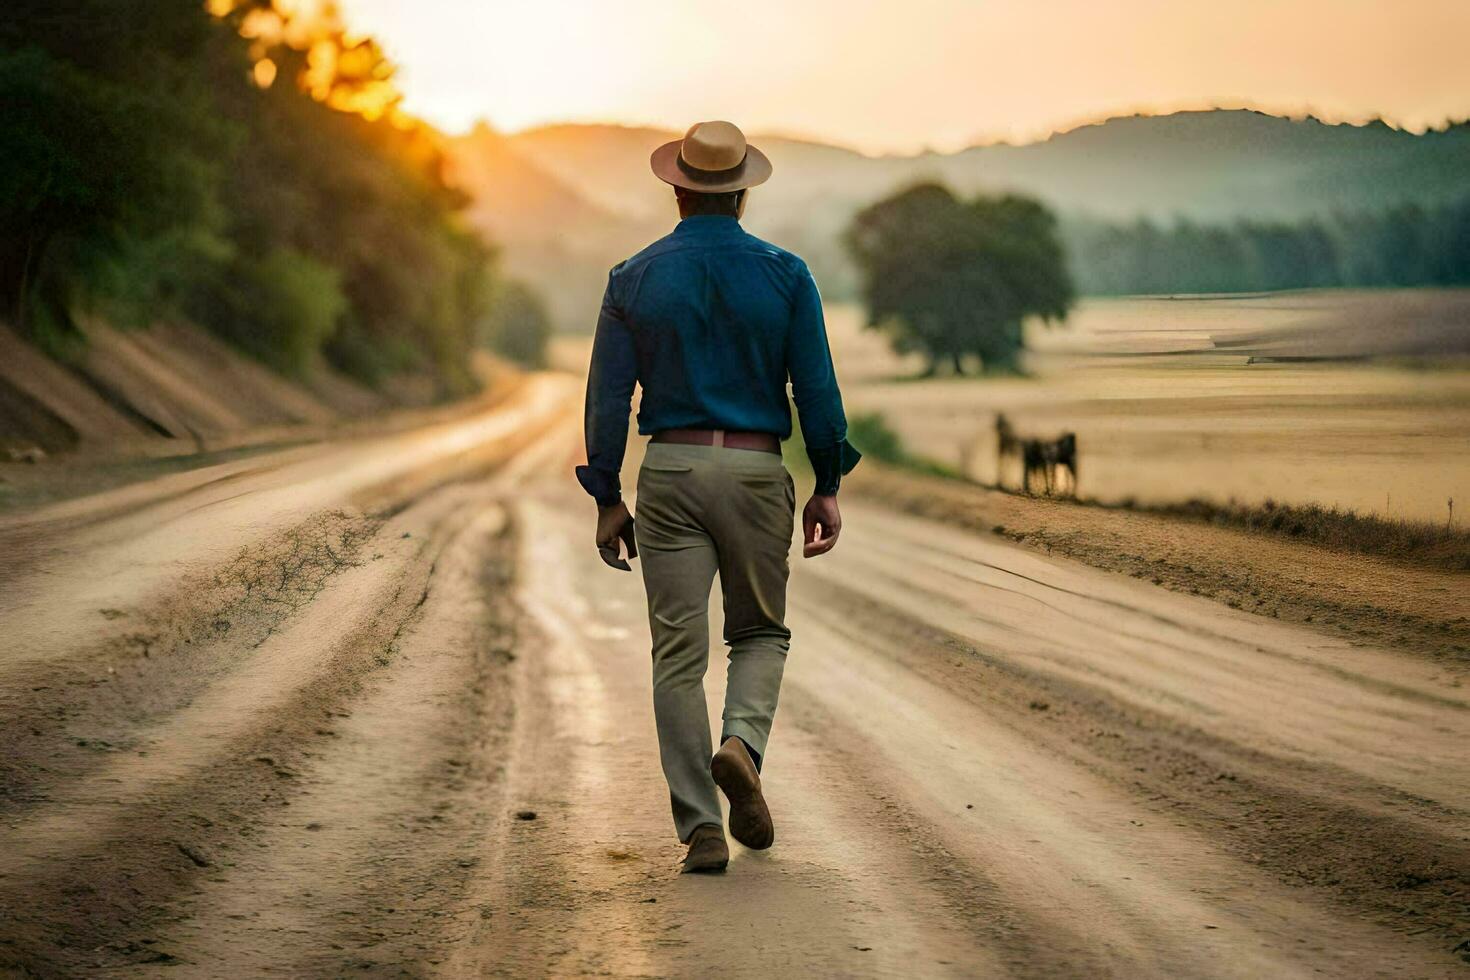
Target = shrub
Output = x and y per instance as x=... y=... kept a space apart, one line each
x=282 y=308
x=870 y=433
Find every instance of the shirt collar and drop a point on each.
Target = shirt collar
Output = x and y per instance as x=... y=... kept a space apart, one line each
x=696 y=224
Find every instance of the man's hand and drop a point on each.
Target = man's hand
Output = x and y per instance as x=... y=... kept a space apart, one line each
x=614 y=523
x=820 y=525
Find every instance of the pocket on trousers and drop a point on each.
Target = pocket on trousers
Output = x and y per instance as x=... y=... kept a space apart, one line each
x=664 y=475
x=766 y=480
x=775 y=490
x=763 y=478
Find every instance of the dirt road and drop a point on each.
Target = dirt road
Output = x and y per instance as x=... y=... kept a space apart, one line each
x=376 y=708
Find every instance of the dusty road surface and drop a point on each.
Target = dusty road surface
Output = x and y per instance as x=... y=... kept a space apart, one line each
x=376 y=708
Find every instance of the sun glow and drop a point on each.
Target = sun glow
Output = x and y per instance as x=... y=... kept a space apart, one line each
x=884 y=75
x=347 y=71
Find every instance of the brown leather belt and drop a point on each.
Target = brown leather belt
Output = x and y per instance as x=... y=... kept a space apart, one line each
x=765 y=442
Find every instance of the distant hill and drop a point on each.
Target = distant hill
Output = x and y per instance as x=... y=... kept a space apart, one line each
x=550 y=232
x=569 y=200
x=1222 y=165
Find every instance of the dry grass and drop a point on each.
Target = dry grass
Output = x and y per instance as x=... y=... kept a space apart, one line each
x=1423 y=543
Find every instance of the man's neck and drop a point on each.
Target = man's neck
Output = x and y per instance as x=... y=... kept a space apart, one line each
x=709 y=222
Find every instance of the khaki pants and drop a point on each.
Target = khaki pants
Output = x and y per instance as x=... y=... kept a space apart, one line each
x=703 y=509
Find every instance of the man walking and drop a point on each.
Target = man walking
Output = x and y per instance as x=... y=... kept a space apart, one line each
x=711 y=322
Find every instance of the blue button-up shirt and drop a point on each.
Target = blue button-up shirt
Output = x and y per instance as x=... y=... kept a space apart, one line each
x=712 y=321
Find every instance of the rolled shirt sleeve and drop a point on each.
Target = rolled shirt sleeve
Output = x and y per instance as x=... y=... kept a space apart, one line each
x=610 y=381
x=814 y=389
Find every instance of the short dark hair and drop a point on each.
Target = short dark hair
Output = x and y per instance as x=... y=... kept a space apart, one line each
x=700 y=202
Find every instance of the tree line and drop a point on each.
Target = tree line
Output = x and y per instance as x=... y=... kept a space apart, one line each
x=954 y=279
x=1409 y=245
x=239 y=166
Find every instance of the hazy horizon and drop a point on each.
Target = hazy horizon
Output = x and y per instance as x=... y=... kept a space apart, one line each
x=882 y=78
x=1062 y=130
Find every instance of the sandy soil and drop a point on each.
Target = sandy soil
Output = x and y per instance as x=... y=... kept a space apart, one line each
x=376 y=707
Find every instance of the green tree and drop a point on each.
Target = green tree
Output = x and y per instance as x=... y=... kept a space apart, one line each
x=334 y=172
x=110 y=170
x=952 y=278
x=1405 y=245
x=240 y=162
x=281 y=308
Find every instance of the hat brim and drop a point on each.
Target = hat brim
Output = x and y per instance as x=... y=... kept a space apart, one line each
x=665 y=164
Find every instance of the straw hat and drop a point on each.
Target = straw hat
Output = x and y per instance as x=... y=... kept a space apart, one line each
x=712 y=157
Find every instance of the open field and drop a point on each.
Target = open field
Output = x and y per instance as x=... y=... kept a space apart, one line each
x=1359 y=400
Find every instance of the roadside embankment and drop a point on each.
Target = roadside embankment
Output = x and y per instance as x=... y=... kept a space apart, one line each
x=145 y=390
x=135 y=404
x=1370 y=599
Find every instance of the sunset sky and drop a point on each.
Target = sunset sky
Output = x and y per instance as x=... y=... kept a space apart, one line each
x=900 y=75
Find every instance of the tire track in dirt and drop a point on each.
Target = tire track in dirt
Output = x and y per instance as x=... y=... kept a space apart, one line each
x=368 y=870
x=128 y=561
x=213 y=738
x=82 y=871
x=59 y=716
x=1284 y=689
x=67 y=680
x=1401 y=859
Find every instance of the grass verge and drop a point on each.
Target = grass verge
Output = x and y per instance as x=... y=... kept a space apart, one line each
x=870 y=433
x=1432 y=545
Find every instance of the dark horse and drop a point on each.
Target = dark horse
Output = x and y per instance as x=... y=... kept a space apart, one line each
x=1007 y=444
x=1041 y=458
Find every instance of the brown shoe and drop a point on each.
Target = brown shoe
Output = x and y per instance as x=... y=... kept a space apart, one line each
x=734 y=772
x=708 y=852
